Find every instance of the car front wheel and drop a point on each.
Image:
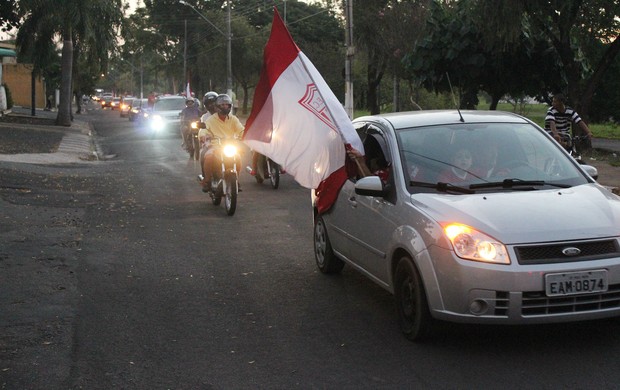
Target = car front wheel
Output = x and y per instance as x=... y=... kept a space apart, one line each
x=411 y=303
x=326 y=260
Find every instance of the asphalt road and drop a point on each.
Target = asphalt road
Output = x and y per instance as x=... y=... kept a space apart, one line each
x=120 y=274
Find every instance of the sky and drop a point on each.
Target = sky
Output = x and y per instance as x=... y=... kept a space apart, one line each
x=133 y=4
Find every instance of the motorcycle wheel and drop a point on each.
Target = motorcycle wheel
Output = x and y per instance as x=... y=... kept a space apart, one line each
x=274 y=174
x=232 y=190
x=196 y=148
x=216 y=195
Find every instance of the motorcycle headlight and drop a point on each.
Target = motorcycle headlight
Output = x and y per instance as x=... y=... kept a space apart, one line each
x=194 y=125
x=230 y=150
x=470 y=244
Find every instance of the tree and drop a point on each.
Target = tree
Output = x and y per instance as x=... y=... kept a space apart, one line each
x=9 y=15
x=573 y=28
x=93 y=22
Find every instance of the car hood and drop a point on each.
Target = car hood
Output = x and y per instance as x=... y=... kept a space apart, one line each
x=168 y=114
x=581 y=212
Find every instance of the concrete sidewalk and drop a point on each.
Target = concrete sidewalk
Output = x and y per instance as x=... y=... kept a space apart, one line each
x=77 y=146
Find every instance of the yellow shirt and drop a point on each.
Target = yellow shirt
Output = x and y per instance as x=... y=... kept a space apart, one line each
x=227 y=128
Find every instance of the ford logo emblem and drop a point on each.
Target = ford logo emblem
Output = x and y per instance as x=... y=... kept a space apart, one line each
x=571 y=251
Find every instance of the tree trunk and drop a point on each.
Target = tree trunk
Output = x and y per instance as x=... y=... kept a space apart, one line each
x=64 y=108
x=396 y=97
x=495 y=97
x=375 y=69
x=78 y=102
x=469 y=99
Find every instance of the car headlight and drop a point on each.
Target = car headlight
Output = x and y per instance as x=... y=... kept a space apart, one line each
x=230 y=150
x=157 y=122
x=470 y=244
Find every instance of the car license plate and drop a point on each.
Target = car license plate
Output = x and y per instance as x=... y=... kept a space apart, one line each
x=571 y=283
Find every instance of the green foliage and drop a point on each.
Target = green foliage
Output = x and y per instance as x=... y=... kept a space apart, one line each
x=536 y=113
x=86 y=27
x=9 y=15
x=606 y=99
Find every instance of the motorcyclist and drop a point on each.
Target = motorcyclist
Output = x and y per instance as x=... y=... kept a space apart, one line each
x=223 y=125
x=189 y=114
x=208 y=102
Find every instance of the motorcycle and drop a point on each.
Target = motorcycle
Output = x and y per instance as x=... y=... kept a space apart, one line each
x=574 y=145
x=225 y=182
x=267 y=168
x=193 y=144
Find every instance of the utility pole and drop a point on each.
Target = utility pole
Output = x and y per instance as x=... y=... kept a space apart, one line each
x=229 y=57
x=185 y=57
x=348 y=68
x=141 y=79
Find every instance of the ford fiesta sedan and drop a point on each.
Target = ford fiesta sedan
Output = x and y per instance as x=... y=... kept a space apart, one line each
x=475 y=217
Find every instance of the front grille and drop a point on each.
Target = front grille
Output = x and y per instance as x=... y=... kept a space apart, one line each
x=552 y=253
x=502 y=303
x=537 y=303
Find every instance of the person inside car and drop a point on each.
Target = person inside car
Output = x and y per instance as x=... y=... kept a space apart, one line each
x=374 y=163
x=458 y=169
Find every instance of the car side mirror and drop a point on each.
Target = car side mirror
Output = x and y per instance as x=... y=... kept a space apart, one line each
x=590 y=170
x=370 y=186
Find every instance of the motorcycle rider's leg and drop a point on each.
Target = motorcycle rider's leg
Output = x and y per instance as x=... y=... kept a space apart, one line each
x=207 y=168
x=201 y=159
x=258 y=161
x=184 y=144
x=255 y=156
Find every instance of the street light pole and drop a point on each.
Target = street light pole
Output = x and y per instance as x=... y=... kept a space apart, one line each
x=228 y=36
x=229 y=57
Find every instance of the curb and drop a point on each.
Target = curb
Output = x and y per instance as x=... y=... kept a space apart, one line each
x=78 y=144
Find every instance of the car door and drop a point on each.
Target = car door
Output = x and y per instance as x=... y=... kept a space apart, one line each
x=371 y=220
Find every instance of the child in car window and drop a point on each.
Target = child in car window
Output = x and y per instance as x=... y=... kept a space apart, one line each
x=458 y=171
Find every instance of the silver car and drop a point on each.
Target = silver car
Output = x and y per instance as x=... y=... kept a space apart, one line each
x=165 y=116
x=481 y=218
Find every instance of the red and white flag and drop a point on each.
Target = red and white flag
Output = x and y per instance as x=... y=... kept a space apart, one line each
x=296 y=119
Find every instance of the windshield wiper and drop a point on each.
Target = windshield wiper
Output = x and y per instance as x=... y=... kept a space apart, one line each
x=518 y=183
x=442 y=187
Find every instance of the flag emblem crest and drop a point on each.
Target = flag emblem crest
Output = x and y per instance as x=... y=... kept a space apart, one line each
x=313 y=102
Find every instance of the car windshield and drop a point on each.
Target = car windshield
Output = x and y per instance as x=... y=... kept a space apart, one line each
x=169 y=104
x=483 y=157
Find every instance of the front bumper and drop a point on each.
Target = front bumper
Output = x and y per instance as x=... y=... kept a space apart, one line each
x=472 y=292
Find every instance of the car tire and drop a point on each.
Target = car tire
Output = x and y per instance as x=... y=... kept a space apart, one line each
x=411 y=303
x=326 y=260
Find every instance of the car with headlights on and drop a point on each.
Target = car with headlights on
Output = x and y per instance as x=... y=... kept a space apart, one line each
x=138 y=110
x=106 y=101
x=474 y=217
x=165 y=115
x=125 y=107
x=115 y=103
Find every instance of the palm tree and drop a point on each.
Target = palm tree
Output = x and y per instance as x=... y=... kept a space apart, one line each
x=91 y=22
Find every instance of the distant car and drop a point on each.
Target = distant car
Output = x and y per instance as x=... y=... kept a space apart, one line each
x=106 y=101
x=474 y=217
x=165 y=116
x=125 y=106
x=115 y=104
x=138 y=110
